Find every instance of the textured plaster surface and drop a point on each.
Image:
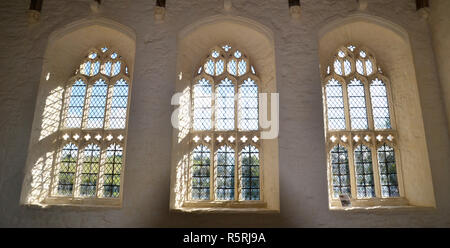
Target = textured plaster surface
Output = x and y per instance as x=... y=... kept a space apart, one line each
x=302 y=158
x=440 y=29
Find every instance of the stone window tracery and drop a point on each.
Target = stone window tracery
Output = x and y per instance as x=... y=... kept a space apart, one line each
x=92 y=135
x=360 y=135
x=225 y=144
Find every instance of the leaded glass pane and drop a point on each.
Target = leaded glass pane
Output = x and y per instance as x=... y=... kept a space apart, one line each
x=237 y=54
x=340 y=171
x=106 y=68
x=224 y=114
x=76 y=105
x=209 y=67
x=67 y=169
x=369 y=67
x=220 y=66
x=335 y=105
x=112 y=171
x=225 y=173
x=338 y=67
x=359 y=67
x=202 y=105
x=242 y=67
x=364 y=174
x=250 y=173
x=226 y=48
x=95 y=68
x=215 y=54
x=97 y=105
x=232 y=67
x=388 y=171
x=85 y=68
x=248 y=105
x=116 y=68
x=89 y=171
x=357 y=104
x=92 y=55
x=119 y=103
x=347 y=67
x=380 y=105
x=200 y=173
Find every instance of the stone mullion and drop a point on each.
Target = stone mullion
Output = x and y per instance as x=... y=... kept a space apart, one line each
x=78 y=171
x=346 y=106
x=87 y=101
x=352 y=170
x=236 y=146
x=101 y=171
x=212 y=152
x=55 y=170
x=375 y=169
x=369 y=112
x=108 y=103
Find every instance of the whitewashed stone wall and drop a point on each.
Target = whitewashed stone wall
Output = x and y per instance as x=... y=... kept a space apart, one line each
x=302 y=158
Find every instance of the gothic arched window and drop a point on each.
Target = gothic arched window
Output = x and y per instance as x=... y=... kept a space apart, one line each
x=224 y=162
x=360 y=135
x=93 y=131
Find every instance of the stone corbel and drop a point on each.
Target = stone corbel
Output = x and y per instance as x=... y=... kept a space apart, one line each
x=423 y=8
x=95 y=6
x=294 y=8
x=362 y=4
x=160 y=10
x=34 y=12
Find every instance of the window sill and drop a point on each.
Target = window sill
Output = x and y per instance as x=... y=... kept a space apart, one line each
x=376 y=204
x=225 y=207
x=78 y=202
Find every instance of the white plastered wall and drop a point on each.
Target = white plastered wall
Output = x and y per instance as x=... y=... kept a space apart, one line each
x=66 y=49
x=194 y=42
x=391 y=47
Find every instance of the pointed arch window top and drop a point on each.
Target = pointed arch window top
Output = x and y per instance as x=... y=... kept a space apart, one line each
x=353 y=59
x=103 y=61
x=225 y=59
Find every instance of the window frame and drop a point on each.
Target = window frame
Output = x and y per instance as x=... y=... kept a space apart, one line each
x=213 y=145
x=350 y=143
x=98 y=200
